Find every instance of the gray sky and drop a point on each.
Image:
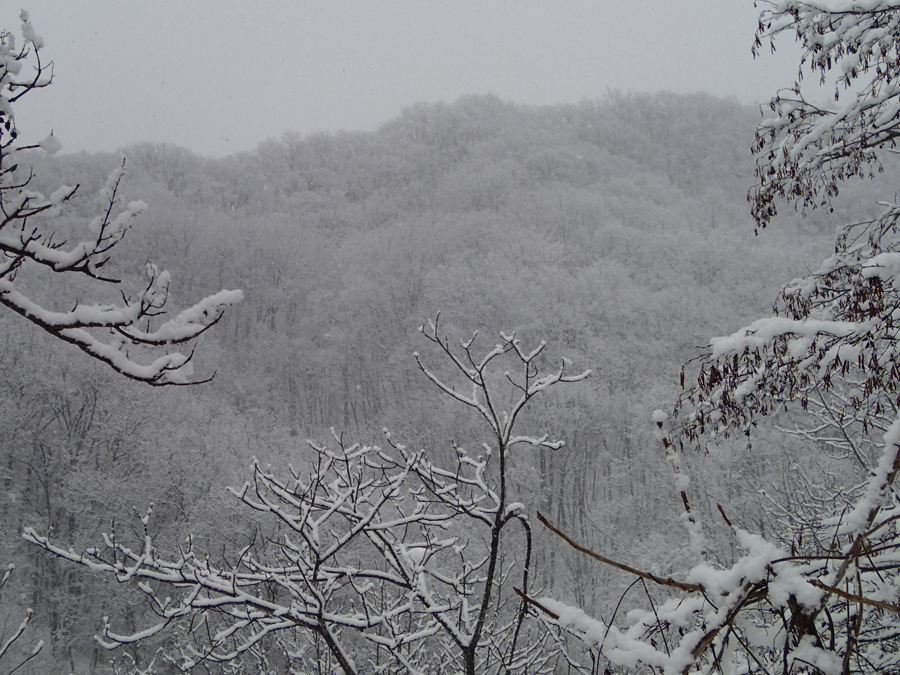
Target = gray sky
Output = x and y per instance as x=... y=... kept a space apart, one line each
x=220 y=76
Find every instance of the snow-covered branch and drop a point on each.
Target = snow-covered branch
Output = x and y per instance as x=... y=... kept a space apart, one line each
x=762 y=611
x=484 y=394
x=8 y=640
x=119 y=335
x=807 y=148
x=383 y=554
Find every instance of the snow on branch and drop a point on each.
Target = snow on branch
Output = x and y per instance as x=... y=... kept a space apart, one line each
x=8 y=641
x=119 y=335
x=807 y=148
x=475 y=370
x=832 y=345
x=704 y=628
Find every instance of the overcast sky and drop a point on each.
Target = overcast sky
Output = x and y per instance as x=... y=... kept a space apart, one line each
x=220 y=76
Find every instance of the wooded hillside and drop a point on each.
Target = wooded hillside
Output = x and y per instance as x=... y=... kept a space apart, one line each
x=617 y=231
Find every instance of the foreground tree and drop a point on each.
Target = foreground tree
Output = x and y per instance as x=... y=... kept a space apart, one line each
x=383 y=559
x=819 y=594
x=132 y=336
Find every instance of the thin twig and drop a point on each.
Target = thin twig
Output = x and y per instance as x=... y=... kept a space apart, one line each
x=663 y=581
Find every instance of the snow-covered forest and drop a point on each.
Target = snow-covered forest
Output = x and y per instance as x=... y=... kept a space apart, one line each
x=359 y=470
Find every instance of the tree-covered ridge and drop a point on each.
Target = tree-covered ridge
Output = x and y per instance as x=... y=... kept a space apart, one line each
x=635 y=195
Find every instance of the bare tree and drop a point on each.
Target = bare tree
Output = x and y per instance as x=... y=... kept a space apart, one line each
x=131 y=337
x=385 y=559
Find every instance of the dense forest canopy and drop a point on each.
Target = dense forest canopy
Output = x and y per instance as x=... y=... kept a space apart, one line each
x=617 y=231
